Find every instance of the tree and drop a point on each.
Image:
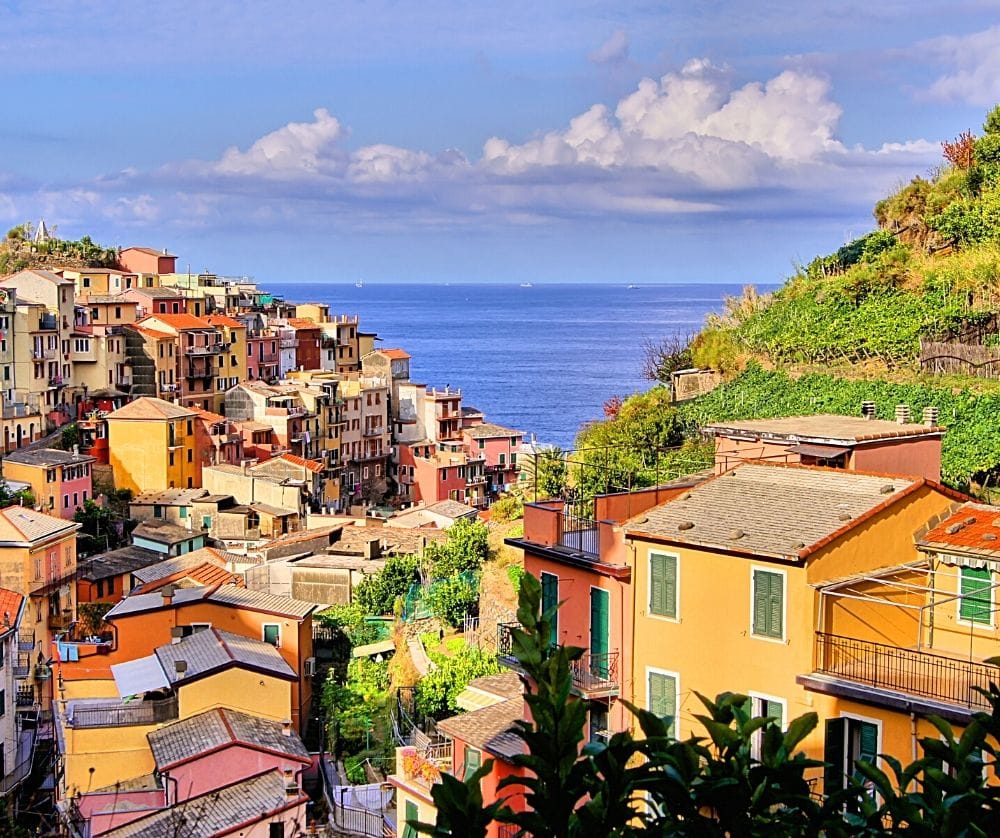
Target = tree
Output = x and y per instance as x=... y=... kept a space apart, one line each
x=100 y=529
x=378 y=592
x=546 y=472
x=960 y=152
x=661 y=358
x=453 y=597
x=466 y=548
x=438 y=690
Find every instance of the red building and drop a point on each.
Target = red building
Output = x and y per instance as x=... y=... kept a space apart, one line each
x=308 y=334
x=146 y=260
x=499 y=447
x=262 y=356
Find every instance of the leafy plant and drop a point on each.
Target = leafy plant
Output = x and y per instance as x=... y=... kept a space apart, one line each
x=452 y=598
x=438 y=690
x=465 y=549
x=377 y=593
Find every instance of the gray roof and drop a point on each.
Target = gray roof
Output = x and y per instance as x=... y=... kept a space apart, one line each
x=451 y=509
x=770 y=510
x=262 y=601
x=248 y=801
x=490 y=729
x=124 y=560
x=824 y=427
x=180 y=741
x=212 y=649
x=487 y=430
x=164 y=532
x=33 y=525
x=137 y=603
x=505 y=685
x=47 y=457
x=169 y=497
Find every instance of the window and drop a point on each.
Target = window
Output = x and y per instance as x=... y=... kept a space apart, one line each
x=276 y=830
x=157 y=511
x=758 y=706
x=503 y=459
x=182 y=512
x=550 y=601
x=272 y=634
x=171 y=458
x=206 y=522
x=847 y=740
x=663 y=585
x=662 y=691
x=482 y=444
x=190 y=455
x=473 y=760
x=975 y=604
x=444 y=474
x=196 y=627
x=768 y=602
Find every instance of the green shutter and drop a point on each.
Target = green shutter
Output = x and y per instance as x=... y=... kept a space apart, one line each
x=976 y=604
x=833 y=755
x=410 y=817
x=473 y=760
x=663 y=697
x=550 y=601
x=600 y=619
x=773 y=710
x=768 y=604
x=271 y=634
x=864 y=746
x=663 y=585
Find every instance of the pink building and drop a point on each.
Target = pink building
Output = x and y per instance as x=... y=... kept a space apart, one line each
x=146 y=260
x=262 y=356
x=499 y=447
x=431 y=475
x=61 y=481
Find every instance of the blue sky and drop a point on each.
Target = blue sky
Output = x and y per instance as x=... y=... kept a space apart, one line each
x=621 y=141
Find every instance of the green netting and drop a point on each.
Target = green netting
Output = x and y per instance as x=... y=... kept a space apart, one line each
x=416 y=602
x=381 y=626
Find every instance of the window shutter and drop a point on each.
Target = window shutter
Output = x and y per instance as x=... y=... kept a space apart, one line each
x=663 y=697
x=473 y=760
x=977 y=599
x=550 y=600
x=776 y=606
x=410 y=816
x=772 y=709
x=663 y=585
x=868 y=742
x=761 y=596
x=833 y=755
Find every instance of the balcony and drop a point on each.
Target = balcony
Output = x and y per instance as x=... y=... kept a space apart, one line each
x=289 y=343
x=205 y=349
x=475 y=479
x=423 y=766
x=877 y=666
x=60 y=622
x=579 y=534
x=376 y=431
x=26 y=641
x=594 y=675
x=47 y=323
x=57 y=381
x=43 y=354
x=99 y=713
x=168 y=388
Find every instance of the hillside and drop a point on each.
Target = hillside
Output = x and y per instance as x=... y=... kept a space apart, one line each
x=18 y=251
x=850 y=327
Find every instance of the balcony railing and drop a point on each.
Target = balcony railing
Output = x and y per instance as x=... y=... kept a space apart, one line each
x=59 y=622
x=878 y=665
x=580 y=534
x=26 y=641
x=594 y=675
x=375 y=431
x=211 y=349
x=125 y=715
x=43 y=354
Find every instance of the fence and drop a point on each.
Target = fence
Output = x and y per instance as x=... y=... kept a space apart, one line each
x=920 y=673
x=970 y=359
x=125 y=715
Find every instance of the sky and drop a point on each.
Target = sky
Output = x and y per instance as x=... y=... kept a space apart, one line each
x=554 y=141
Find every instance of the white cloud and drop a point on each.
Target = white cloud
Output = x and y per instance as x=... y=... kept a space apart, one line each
x=297 y=148
x=613 y=50
x=973 y=60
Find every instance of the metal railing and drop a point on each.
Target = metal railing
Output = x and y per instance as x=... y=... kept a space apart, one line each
x=878 y=665
x=357 y=821
x=579 y=534
x=593 y=674
x=125 y=715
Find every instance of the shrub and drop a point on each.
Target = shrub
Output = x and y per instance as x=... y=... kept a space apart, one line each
x=507 y=508
x=438 y=690
x=452 y=598
x=377 y=593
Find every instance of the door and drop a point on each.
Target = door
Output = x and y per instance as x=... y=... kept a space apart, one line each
x=600 y=608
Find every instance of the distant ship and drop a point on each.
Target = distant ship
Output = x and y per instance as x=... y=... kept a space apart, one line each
x=359 y=284
x=526 y=285
x=633 y=286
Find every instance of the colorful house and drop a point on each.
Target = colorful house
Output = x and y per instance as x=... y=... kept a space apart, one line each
x=499 y=447
x=61 y=481
x=147 y=260
x=153 y=446
x=777 y=535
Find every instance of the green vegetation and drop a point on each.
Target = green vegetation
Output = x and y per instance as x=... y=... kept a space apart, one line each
x=743 y=776
x=452 y=597
x=357 y=709
x=507 y=508
x=101 y=528
x=377 y=593
x=18 y=251
x=466 y=548
x=439 y=688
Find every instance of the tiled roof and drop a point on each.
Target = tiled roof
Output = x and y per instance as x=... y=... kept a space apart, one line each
x=208 y=416
x=168 y=567
x=490 y=729
x=153 y=333
x=149 y=407
x=824 y=427
x=123 y=560
x=10 y=609
x=21 y=523
x=150 y=251
x=138 y=603
x=177 y=321
x=771 y=510
x=397 y=540
x=303 y=323
x=47 y=457
x=974 y=528
x=487 y=430
x=252 y=801
x=505 y=685
x=223 y=320
x=262 y=601
x=49 y=276
x=312 y=465
x=180 y=741
x=394 y=354
x=212 y=649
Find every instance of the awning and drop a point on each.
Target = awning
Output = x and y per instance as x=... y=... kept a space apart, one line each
x=821 y=452
x=139 y=676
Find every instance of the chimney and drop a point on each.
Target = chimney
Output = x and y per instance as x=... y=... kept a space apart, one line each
x=371 y=549
x=291 y=787
x=180 y=667
x=168 y=594
x=868 y=410
x=930 y=416
x=176 y=634
x=902 y=414
x=286 y=728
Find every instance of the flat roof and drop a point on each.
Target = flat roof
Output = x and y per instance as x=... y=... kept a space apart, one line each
x=823 y=427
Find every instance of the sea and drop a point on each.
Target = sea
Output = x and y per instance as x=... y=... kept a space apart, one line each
x=541 y=359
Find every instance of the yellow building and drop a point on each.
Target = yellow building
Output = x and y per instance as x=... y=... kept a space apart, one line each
x=725 y=598
x=152 y=446
x=104 y=740
x=233 y=361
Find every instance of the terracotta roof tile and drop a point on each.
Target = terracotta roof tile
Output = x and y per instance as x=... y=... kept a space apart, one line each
x=149 y=407
x=974 y=528
x=223 y=320
x=312 y=465
x=395 y=354
x=10 y=609
x=178 y=321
